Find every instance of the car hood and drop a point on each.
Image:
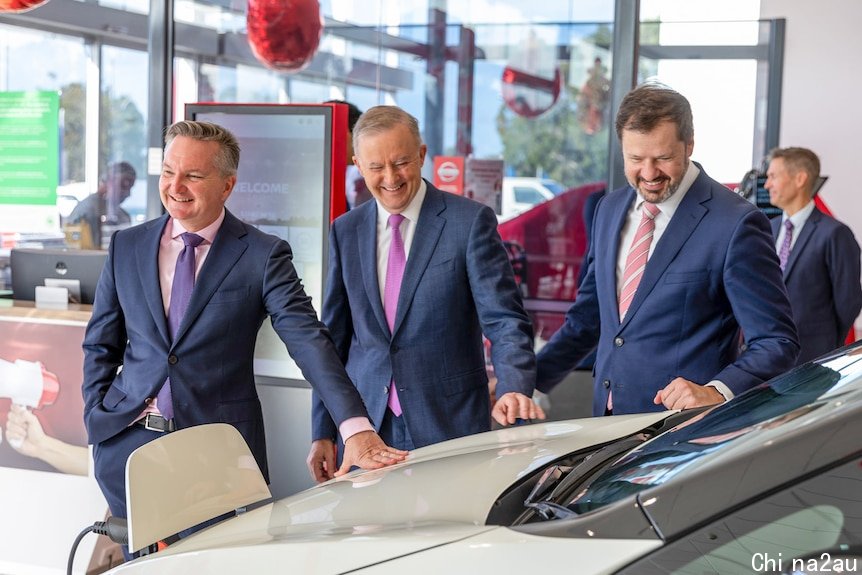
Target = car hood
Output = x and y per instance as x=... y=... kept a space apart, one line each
x=440 y=494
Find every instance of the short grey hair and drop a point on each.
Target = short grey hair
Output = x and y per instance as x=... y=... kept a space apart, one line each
x=383 y=118
x=227 y=159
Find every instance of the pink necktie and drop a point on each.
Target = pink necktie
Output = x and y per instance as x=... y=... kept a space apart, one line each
x=635 y=264
x=637 y=258
x=394 y=273
x=784 y=252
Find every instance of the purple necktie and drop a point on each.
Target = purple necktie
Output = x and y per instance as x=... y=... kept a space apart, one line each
x=181 y=293
x=784 y=252
x=394 y=273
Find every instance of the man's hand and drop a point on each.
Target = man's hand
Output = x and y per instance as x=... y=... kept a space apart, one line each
x=514 y=405
x=367 y=450
x=26 y=436
x=684 y=394
x=24 y=432
x=321 y=460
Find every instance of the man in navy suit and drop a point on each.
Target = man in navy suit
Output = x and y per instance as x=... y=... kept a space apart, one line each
x=242 y=276
x=457 y=285
x=711 y=271
x=821 y=256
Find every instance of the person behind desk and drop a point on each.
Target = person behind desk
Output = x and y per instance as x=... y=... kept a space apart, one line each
x=677 y=266
x=103 y=207
x=178 y=308
x=415 y=279
x=819 y=255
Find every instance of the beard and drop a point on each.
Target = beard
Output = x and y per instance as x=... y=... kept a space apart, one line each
x=654 y=197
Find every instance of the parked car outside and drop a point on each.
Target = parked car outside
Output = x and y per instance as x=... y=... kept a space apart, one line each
x=767 y=482
x=522 y=194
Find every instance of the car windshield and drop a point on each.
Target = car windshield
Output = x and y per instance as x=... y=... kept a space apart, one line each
x=555 y=186
x=769 y=405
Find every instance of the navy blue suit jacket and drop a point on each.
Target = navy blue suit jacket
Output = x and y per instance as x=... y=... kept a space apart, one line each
x=713 y=271
x=822 y=278
x=458 y=284
x=247 y=276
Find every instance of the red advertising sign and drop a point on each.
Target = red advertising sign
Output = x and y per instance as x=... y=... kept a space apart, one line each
x=449 y=174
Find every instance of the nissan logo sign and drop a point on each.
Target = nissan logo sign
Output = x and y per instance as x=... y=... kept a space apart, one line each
x=448 y=172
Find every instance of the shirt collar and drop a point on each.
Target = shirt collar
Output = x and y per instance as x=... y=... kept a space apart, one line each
x=411 y=212
x=801 y=216
x=208 y=233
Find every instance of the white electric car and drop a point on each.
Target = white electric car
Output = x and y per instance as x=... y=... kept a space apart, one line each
x=768 y=482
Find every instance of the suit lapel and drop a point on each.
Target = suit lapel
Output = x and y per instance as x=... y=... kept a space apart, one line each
x=147 y=256
x=366 y=234
x=425 y=239
x=683 y=223
x=808 y=230
x=224 y=253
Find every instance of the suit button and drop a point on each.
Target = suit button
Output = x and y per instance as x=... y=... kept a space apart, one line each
x=172 y=359
x=607 y=383
x=619 y=341
x=395 y=349
x=148 y=401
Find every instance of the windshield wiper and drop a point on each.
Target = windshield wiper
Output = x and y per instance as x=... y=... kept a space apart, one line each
x=550 y=510
x=550 y=477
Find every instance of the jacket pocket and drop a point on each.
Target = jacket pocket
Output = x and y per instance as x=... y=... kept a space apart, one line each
x=242 y=410
x=686 y=277
x=229 y=295
x=464 y=382
x=113 y=397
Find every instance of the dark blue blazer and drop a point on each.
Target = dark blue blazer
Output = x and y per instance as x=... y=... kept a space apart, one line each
x=458 y=284
x=822 y=279
x=713 y=271
x=247 y=276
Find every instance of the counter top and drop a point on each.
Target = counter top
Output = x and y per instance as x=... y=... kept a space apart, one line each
x=27 y=309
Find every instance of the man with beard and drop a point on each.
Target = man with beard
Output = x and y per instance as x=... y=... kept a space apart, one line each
x=683 y=297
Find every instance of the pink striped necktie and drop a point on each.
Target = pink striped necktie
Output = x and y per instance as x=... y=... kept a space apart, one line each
x=394 y=272
x=635 y=263
x=637 y=257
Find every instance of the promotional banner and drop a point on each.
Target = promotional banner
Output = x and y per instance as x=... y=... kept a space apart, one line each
x=29 y=161
x=47 y=488
x=483 y=182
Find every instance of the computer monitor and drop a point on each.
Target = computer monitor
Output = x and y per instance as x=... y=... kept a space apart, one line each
x=30 y=267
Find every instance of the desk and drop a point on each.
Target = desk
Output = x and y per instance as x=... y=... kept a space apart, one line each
x=45 y=507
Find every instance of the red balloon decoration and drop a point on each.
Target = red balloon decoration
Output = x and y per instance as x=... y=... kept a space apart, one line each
x=20 y=5
x=284 y=34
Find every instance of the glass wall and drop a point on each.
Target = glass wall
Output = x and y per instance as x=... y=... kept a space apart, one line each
x=526 y=84
x=36 y=63
x=122 y=153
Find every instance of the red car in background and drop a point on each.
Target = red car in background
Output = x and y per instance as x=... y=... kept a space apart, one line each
x=547 y=246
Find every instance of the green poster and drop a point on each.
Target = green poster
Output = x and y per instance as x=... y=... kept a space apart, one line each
x=29 y=147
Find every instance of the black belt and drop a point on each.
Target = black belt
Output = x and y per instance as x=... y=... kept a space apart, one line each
x=158 y=423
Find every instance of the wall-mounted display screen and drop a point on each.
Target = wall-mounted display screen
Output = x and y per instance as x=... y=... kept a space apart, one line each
x=288 y=175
